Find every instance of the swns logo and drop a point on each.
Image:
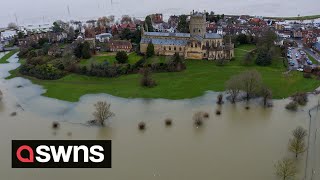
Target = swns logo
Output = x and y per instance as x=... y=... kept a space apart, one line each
x=61 y=154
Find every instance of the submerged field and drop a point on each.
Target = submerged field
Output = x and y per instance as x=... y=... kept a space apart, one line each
x=199 y=77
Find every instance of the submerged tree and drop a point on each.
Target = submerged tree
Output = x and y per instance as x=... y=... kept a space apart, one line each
x=299 y=133
x=146 y=79
x=233 y=87
x=297 y=146
x=285 y=169
x=266 y=94
x=251 y=82
x=102 y=112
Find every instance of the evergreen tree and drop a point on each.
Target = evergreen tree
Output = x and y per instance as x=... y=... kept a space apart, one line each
x=150 y=50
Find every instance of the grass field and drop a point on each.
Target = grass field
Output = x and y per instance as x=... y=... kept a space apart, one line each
x=109 y=58
x=199 y=77
x=4 y=59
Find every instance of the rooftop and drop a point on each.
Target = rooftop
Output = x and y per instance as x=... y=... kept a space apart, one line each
x=177 y=42
x=186 y=35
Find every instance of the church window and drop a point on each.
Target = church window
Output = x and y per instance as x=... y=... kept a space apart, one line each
x=175 y=48
x=196 y=45
x=180 y=49
x=164 y=48
x=169 y=48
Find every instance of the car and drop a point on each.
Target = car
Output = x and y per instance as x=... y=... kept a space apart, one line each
x=297 y=55
x=291 y=63
x=300 y=69
x=309 y=62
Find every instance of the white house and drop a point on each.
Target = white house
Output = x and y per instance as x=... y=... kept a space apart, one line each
x=103 y=37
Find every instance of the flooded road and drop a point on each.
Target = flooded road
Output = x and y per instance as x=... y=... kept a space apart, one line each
x=239 y=144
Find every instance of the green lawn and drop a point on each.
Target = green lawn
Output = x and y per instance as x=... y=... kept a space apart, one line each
x=108 y=57
x=314 y=61
x=4 y=59
x=199 y=77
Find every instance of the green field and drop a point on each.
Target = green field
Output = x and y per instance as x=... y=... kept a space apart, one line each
x=4 y=59
x=200 y=76
x=109 y=58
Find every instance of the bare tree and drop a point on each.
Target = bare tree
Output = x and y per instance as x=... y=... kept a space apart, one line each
x=251 y=82
x=233 y=87
x=297 y=146
x=12 y=25
x=102 y=112
x=285 y=169
x=266 y=94
x=299 y=133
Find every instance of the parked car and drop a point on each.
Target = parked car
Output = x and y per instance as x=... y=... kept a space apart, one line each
x=291 y=63
x=300 y=69
x=309 y=62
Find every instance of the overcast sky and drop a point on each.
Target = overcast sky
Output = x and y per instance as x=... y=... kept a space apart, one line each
x=41 y=11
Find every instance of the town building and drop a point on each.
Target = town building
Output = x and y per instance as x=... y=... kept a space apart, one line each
x=198 y=44
x=119 y=45
x=103 y=37
x=34 y=38
x=310 y=39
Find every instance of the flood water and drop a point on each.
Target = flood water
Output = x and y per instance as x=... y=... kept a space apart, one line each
x=239 y=144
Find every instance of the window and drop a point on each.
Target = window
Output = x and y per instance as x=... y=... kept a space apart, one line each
x=175 y=48
x=170 y=48
x=196 y=45
x=164 y=48
x=180 y=49
x=199 y=30
x=192 y=45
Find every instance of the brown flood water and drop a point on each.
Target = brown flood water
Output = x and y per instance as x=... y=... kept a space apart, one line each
x=239 y=144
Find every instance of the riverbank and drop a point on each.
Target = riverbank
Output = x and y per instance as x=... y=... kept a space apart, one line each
x=199 y=77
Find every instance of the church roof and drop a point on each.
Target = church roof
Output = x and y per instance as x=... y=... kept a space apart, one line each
x=167 y=34
x=177 y=42
x=212 y=36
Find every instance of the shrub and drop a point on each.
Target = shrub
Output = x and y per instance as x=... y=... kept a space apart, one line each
x=198 y=118
x=146 y=79
x=292 y=106
x=122 y=57
x=206 y=115
x=55 y=125
x=218 y=112
x=300 y=98
x=142 y=125
x=168 y=122
x=220 y=99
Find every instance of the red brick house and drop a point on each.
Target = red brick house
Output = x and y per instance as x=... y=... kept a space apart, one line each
x=310 y=39
x=119 y=45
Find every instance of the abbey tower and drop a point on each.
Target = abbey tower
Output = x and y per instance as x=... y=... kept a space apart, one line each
x=197 y=24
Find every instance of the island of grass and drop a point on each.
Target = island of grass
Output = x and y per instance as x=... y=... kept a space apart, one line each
x=4 y=59
x=199 y=77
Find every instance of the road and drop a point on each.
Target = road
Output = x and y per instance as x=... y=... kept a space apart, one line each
x=313 y=152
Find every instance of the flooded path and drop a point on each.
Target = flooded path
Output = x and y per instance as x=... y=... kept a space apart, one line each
x=239 y=144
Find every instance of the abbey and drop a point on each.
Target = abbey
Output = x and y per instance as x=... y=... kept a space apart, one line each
x=198 y=44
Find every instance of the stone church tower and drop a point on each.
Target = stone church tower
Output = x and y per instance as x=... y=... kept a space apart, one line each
x=197 y=24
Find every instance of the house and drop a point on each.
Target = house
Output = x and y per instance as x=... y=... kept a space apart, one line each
x=157 y=18
x=119 y=45
x=103 y=37
x=310 y=39
x=34 y=38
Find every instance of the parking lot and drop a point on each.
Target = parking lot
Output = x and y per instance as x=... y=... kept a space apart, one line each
x=298 y=59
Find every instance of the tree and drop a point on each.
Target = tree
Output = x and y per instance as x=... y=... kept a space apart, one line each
x=150 y=50
x=183 y=25
x=285 y=169
x=299 y=133
x=297 y=146
x=86 y=50
x=122 y=57
x=146 y=79
x=233 y=87
x=266 y=94
x=71 y=33
x=126 y=19
x=251 y=82
x=264 y=57
x=12 y=26
x=126 y=34
x=56 y=27
x=102 y=112
x=148 y=24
